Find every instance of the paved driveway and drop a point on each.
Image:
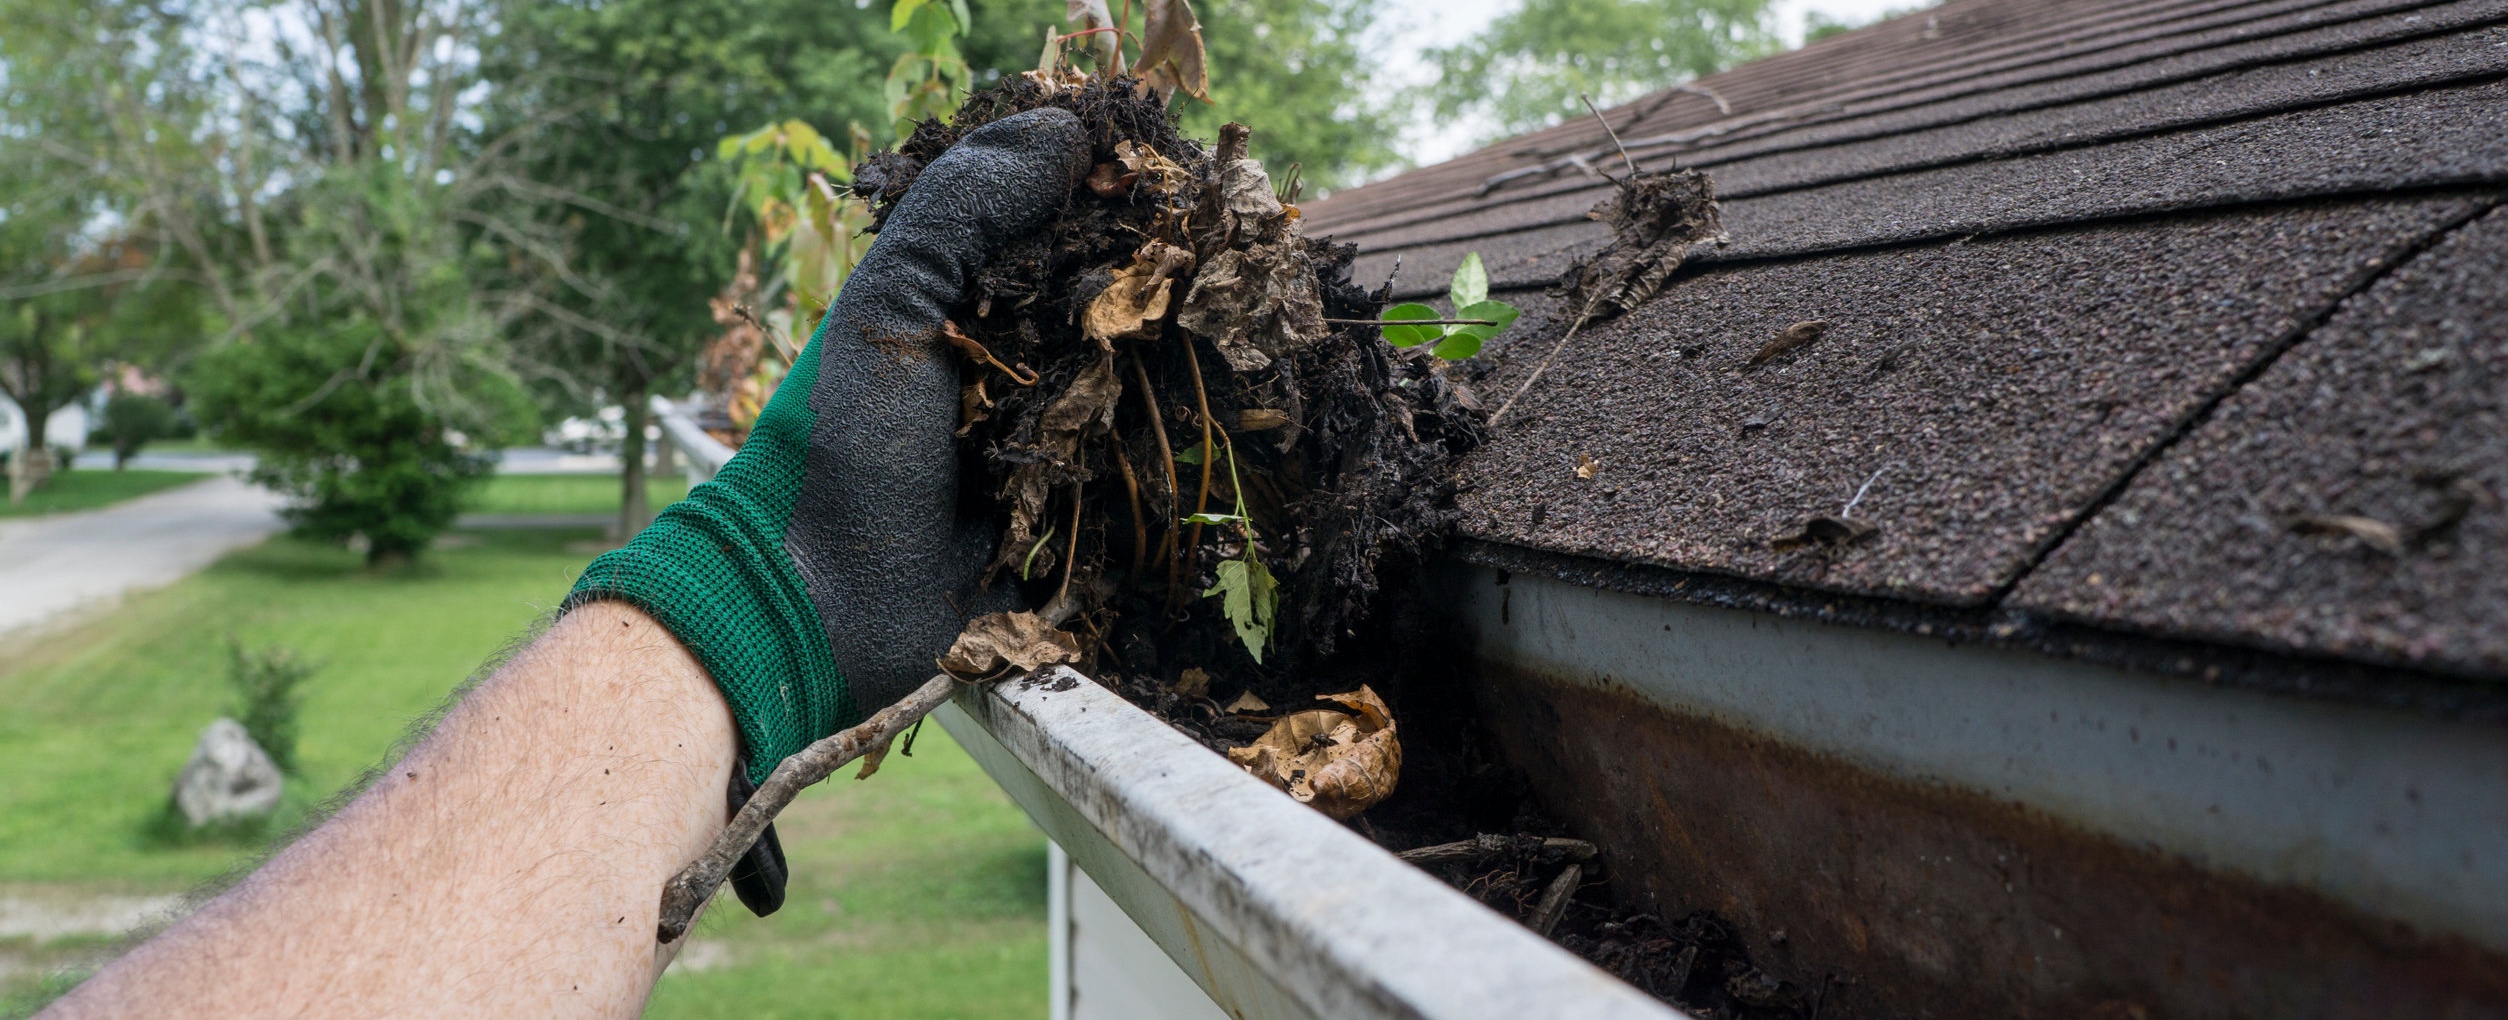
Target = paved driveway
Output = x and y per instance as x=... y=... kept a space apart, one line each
x=52 y=567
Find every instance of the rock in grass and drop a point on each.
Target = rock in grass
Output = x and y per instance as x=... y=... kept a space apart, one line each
x=228 y=779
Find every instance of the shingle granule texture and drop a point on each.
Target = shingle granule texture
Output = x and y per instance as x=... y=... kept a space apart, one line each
x=1998 y=389
x=2397 y=411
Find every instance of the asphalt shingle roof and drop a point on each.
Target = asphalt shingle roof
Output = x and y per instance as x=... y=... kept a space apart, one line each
x=2184 y=251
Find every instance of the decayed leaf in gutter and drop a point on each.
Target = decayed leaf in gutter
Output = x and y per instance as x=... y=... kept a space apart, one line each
x=1171 y=51
x=995 y=641
x=1086 y=407
x=1339 y=763
x=1248 y=704
x=1092 y=16
x=1132 y=307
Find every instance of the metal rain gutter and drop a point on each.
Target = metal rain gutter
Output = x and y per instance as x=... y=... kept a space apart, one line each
x=1275 y=910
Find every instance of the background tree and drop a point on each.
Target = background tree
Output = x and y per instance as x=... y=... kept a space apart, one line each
x=1526 y=69
x=623 y=105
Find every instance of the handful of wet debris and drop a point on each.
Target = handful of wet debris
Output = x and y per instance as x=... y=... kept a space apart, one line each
x=1202 y=454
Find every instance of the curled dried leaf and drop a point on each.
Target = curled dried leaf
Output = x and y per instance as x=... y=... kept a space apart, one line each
x=1171 y=51
x=1340 y=763
x=1794 y=336
x=1248 y=704
x=1132 y=307
x=995 y=641
x=2371 y=532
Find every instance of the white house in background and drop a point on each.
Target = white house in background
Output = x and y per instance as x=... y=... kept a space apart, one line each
x=65 y=429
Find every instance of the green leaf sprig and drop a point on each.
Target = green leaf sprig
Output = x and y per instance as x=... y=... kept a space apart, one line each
x=1455 y=341
x=1249 y=595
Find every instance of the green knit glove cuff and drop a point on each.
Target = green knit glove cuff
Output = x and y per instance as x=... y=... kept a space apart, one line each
x=712 y=570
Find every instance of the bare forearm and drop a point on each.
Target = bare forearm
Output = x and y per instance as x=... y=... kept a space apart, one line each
x=510 y=865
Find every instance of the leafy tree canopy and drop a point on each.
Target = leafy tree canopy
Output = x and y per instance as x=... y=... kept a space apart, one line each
x=1527 y=68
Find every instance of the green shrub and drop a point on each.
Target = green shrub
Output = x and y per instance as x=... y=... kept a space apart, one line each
x=341 y=421
x=266 y=686
x=133 y=420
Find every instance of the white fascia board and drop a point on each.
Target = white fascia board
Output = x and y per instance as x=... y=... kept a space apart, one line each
x=1274 y=909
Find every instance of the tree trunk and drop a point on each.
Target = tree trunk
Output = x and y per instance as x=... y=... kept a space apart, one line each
x=33 y=465
x=633 y=514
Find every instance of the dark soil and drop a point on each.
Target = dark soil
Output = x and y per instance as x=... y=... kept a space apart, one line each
x=1343 y=448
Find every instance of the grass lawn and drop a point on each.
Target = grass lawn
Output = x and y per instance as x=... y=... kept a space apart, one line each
x=917 y=894
x=90 y=488
x=568 y=494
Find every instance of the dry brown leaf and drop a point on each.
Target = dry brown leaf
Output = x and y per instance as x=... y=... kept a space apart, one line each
x=1587 y=467
x=1164 y=176
x=1261 y=419
x=1086 y=406
x=1336 y=762
x=1088 y=15
x=1794 y=336
x=1133 y=305
x=1255 y=305
x=974 y=406
x=1171 y=50
x=1193 y=683
x=1248 y=704
x=2371 y=532
x=996 y=640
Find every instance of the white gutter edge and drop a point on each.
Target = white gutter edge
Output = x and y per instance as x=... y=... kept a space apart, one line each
x=1274 y=909
x=706 y=454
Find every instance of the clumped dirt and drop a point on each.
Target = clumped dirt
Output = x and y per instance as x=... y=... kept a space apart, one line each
x=1085 y=425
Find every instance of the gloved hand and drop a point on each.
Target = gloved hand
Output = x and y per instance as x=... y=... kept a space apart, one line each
x=822 y=572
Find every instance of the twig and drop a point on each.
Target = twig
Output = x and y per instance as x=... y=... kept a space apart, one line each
x=1849 y=509
x=1166 y=457
x=1132 y=491
x=1554 y=900
x=1695 y=89
x=976 y=348
x=1201 y=501
x=783 y=347
x=1071 y=556
x=688 y=891
x=1411 y=322
x=1539 y=369
x=1487 y=845
x=1606 y=129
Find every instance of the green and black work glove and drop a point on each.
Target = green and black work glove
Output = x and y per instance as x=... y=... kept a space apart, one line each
x=823 y=571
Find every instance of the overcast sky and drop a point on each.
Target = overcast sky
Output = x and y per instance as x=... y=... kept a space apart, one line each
x=1431 y=23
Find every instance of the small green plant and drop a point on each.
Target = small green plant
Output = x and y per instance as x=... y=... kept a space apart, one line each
x=1476 y=318
x=266 y=686
x=1248 y=594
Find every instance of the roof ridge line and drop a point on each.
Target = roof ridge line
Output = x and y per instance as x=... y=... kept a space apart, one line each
x=1420 y=215
x=2054 y=146
x=2378 y=270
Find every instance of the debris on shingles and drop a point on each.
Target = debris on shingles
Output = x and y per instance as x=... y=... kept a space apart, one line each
x=1654 y=219
x=1587 y=467
x=1793 y=337
x=2371 y=532
x=1339 y=763
x=1825 y=530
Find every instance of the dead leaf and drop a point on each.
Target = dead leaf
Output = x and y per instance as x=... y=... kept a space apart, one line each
x=1248 y=704
x=2371 y=532
x=1192 y=683
x=1255 y=305
x=1336 y=762
x=1245 y=189
x=1794 y=336
x=1827 y=531
x=1164 y=176
x=1261 y=419
x=1171 y=51
x=1110 y=181
x=1587 y=467
x=1092 y=14
x=974 y=406
x=1086 y=407
x=1654 y=219
x=1132 y=307
x=996 y=640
